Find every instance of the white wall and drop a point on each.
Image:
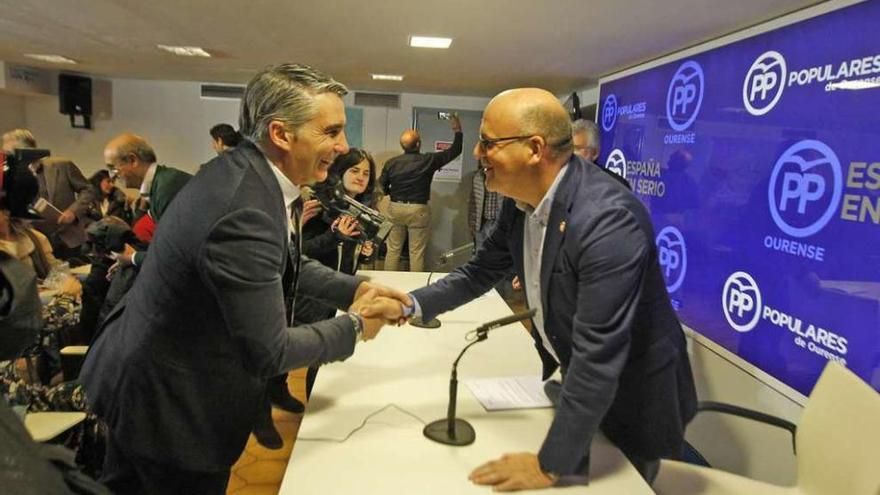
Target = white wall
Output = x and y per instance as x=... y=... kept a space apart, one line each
x=175 y=119
x=171 y=115
x=11 y=112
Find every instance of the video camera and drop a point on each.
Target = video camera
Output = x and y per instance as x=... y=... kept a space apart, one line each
x=374 y=227
x=18 y=186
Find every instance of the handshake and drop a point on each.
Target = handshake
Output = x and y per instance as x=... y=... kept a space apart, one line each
x=378 y=306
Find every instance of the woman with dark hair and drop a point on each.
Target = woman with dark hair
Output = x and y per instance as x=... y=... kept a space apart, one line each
x=333 y=240
x=109 y=200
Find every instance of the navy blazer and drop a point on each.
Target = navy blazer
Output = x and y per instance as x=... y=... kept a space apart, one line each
x=606 y=313
x=179 y=372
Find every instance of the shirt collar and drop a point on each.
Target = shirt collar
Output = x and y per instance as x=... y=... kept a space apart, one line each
x=147 y=184
x=541 y=213
x=289 y=190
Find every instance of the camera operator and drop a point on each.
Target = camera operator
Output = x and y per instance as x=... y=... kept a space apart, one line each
x=337 y=240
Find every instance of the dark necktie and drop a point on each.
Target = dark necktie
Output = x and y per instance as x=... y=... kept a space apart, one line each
x=294 y=248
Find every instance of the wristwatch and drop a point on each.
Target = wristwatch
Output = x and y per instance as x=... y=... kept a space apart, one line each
x=357 y=322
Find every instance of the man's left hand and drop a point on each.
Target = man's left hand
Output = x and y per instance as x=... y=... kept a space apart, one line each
x=513 y=472
x=66 y=218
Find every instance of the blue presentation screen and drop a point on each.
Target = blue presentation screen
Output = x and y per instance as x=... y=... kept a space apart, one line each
x=760 y=163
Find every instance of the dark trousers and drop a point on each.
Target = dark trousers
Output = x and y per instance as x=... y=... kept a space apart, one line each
x=126 y=474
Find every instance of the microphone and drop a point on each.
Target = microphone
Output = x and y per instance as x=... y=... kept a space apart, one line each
x=464 y=248
x=507 y=320
x=458 y=432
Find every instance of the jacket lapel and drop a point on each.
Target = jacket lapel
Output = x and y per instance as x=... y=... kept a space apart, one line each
x=255 y=158
x=555 y=233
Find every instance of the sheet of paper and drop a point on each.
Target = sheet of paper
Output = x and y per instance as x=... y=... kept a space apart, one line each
x=512 y=392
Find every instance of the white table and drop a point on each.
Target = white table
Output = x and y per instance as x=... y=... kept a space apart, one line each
x=44 y=426
x=410 y=367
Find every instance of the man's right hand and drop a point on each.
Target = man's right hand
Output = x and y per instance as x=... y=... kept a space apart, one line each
x=379 y=306
x=455 y=122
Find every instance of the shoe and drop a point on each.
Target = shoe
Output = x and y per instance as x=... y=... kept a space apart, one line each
x=282 y=399
x=265 y=432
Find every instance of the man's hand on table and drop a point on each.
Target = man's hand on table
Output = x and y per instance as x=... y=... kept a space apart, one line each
x=513 y=472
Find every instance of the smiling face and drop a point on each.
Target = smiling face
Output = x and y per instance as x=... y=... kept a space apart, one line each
x=505 y=163
x=309 y=152
x=356 y=178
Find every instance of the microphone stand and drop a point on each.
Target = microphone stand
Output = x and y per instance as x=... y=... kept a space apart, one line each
x=444 y=258
x=451 y=430
x=418 y=322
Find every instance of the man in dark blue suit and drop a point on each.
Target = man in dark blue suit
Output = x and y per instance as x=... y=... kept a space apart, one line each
x=583 y=246
x=179 y=372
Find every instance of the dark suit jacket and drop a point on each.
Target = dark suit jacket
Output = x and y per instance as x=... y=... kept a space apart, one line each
x=179 y=371
x=65 y=185
x=606 y=312
x=167 y=182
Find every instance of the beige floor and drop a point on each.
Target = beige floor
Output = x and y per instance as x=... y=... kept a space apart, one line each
x=259 y=471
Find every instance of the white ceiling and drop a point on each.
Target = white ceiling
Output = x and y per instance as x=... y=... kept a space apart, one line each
x=559 y=45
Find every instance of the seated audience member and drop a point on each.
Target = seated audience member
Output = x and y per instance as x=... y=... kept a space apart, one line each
x=28 y=467
x=108 y=200
x=59 y=288
x=224 y=137
x=29 y=328
x=62 y=184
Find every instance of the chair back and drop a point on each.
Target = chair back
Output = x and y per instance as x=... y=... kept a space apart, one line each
x=838 y=437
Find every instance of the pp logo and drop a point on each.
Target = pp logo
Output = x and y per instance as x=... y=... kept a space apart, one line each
x=764 y=83
x=673 y=257
x=805 y=188
x=685 y=95
x=616 y=163
x=609 y=112
x=741 y=300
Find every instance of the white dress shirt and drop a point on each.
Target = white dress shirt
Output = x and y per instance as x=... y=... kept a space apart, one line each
x=534 y=232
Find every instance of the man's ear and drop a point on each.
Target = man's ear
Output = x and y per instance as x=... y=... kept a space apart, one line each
x=279 y=136
x=538 y=149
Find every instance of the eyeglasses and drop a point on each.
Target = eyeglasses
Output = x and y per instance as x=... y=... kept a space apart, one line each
x=487 y=144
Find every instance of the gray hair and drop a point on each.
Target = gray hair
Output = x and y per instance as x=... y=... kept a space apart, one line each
x=554 y=126
x=286 y=93
x=22 y=137
x=590 y=128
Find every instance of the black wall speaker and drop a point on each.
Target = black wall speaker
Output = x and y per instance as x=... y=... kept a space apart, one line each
x=75 y=97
